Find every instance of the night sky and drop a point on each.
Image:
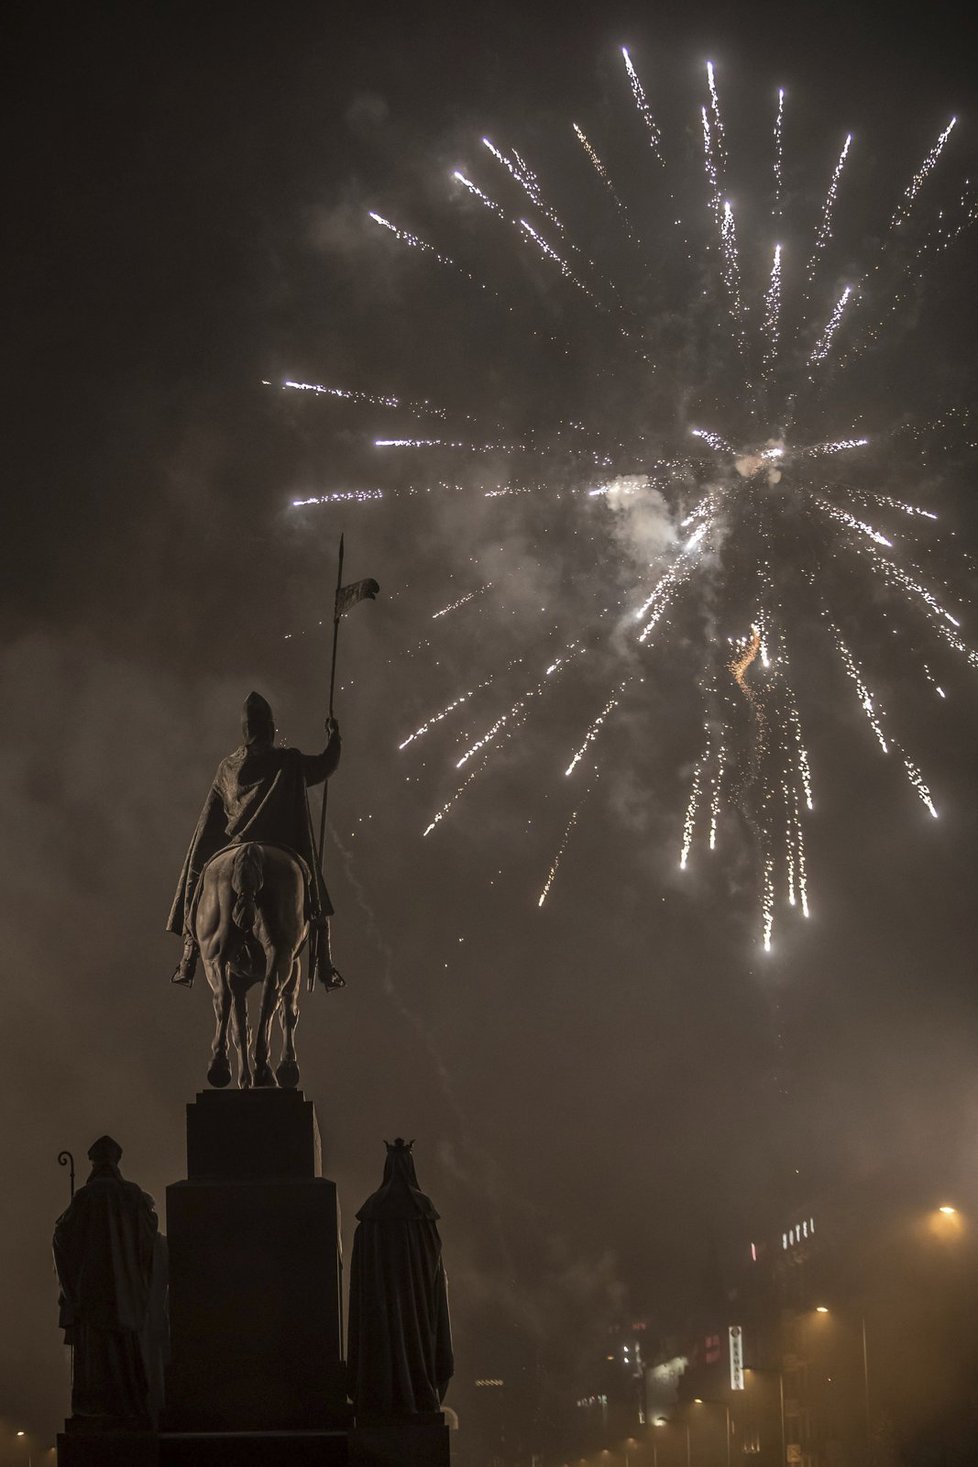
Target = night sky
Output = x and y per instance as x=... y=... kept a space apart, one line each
x=604 y=1090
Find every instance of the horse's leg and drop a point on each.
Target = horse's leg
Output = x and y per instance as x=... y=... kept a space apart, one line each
x=219 y=1073
x=208 y=930
x=242 y=1037
x=277 y=968
x=287 y=1073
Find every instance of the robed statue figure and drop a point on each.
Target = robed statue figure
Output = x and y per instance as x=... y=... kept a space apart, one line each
x=104 y=1248
x=400 y=1357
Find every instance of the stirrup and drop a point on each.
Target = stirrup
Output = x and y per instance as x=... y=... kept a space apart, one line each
x=182 y=976
x=329 y=976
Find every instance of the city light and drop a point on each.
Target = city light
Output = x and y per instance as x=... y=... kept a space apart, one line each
x=821 y=1309
x=948 y=1211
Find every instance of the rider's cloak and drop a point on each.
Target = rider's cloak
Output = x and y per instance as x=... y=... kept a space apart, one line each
x=400 y=1355
x=257 y=795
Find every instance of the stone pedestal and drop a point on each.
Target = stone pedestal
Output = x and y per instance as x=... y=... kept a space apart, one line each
x=419 y=1442
x=255 y=1306
x=85 y=1448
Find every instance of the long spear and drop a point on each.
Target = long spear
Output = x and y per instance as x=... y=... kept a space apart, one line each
x=346 y=597
x=332 y=689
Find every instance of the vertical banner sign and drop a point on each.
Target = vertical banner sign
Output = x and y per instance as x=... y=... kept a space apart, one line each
x=736 y=1335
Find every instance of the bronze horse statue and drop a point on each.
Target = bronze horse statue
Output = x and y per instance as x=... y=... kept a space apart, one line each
x=250 y=924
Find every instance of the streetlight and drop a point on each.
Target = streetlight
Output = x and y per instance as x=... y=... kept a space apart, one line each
x=698 y=1401
x=753 y=1370
x=823 y=1309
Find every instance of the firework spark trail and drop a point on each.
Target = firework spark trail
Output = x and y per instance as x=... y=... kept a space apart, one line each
x=341 y=496
x=862 y=691
x=804 y=768
x=933 y=681
x=709 y=162
x=875 y=716
x=528 y=182
x=917 y=780
x=728 y=239
x=387 y=400
x=778 y=155
x=913 y=188
x=603 y=174
x=462 y=601
x=459 y=443
x=439 y=815
x=717 y=119
x=689 y=824
x=541 y=243
x=772 y=314
x=415 y=242
x=801 y=873
x=596 y=725
x=716 y=793
x=743 y=659
x=698 y=512
x=644 y=110
x=477 y=193
x=937 y=614
x=887 y=499
x=824 y=344
x=837 y=445
x=843 y=517
x=564 y=842
x=517 y=708
x=718 y=444
x=551 y=254
x=660 y=598
x=437 y=717
x=825 y=226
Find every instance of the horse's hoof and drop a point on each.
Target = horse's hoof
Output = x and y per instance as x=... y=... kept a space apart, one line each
x=287 y=1074
x=245 y=1082
x=219 y=1073
x=264 y=1077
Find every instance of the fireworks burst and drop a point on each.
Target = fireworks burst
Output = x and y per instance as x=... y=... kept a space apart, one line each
x=739 y=539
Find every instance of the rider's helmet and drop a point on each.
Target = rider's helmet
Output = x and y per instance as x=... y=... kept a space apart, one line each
x=257 y=720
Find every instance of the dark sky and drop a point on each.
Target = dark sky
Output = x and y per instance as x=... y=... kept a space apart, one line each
x=601 y=1089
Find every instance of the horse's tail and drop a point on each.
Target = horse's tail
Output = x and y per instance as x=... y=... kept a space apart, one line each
x=247 y=877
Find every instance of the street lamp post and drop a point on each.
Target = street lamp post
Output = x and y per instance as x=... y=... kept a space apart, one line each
x=822 y=1309
x=753 y=1370
x=698 y=1401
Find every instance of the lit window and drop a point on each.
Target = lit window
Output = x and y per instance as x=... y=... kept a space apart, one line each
x=784 y=1240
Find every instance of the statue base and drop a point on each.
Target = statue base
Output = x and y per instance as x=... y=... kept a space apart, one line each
x=419 y=1442
x=87 y=1447
x=397 y=1444
x=255 y=1306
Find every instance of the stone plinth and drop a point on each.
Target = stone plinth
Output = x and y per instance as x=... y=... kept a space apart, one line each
x=254 y=1449
x=79 y=1448
x=255 y=1311
x=418 y=1442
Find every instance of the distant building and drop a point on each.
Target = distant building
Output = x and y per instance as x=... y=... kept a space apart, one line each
x=847 y=1335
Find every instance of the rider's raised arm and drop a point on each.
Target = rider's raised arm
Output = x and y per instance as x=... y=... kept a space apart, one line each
x=317 y=767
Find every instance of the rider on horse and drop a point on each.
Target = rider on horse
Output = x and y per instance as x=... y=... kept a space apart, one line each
x=259 y=794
